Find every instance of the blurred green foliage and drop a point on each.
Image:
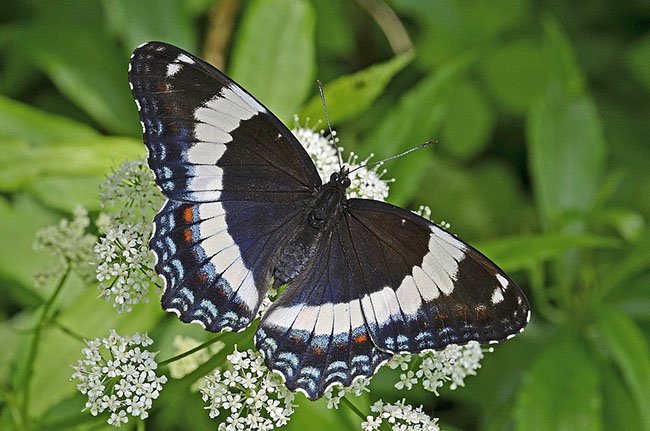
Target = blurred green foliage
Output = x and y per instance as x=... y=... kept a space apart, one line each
x=541 y=109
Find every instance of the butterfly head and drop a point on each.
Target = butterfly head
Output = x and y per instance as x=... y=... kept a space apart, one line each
x=341 y=178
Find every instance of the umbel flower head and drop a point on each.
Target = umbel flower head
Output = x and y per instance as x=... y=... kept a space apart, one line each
x=251 y=396
x=119 y=376
x=124 y=262
x=399 y=417
x=70 y=243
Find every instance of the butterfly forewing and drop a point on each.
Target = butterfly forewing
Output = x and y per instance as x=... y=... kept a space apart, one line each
x=235 y=178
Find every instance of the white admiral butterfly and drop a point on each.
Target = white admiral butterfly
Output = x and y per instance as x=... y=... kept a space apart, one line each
x=246 y=209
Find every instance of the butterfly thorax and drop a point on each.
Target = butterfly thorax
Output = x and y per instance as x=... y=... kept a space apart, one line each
x=327 y=203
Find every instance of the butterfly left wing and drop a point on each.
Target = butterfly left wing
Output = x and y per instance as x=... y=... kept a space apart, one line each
x=235 y=178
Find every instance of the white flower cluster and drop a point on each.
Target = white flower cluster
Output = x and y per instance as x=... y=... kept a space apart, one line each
x=335 y=393
x=124 y=262
x=365 y=183
x=399 y=417
x=254 y=398
x=119 y=376
x=186 y=365
x=452 y=364
x=70 y=243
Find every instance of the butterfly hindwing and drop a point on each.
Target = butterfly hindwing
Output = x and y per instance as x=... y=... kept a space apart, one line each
x=235 y=178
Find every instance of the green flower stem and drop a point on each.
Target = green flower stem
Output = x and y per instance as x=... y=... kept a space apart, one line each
x=33 y=347
x=69 y=331
x=354 y=408
x=194 y=350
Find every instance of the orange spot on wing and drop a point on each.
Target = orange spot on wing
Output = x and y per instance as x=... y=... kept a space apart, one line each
x=440 y=315
x=202 y=277
x=360 y=338
x=318 y=350
x=188 y=235
x=188 y=216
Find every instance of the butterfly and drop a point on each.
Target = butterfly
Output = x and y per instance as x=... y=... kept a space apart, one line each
x=246 y=210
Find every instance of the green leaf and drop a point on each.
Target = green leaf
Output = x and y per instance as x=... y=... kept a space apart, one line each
x=82 y=61
x=468 y=123
x=566 y=152
x=621 y=413
x=274 y=54
x=91 y=157
x=517 y=252
x=631 y=353
x=63 y=194
x=638 y=61
x=134 y=22
x=563 y=66
x=516 y=74
x=561 y=391
x=350 y=95
x=18 y=261
x=23 y=122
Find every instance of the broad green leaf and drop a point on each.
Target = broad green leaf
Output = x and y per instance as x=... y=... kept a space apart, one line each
x=350 y=95
x=638 y=61
x=631 y=353
x=273 y=57
x=134 y=22
x=64 y=193
x=82 y=61
x=566 y=150
x=468 y=123
x=90 y=317
x=90 y=157
x=516 y=74
x=516 y=252
x=563 y=66
x=23 y=122
x=415 y=120
x=561 y=391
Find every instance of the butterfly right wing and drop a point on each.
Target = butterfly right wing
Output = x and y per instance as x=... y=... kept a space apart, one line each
x=236 y=180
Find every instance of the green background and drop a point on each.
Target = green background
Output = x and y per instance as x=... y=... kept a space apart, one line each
x=542 y=115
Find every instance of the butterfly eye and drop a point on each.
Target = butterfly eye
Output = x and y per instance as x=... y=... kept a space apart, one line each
x=334 y=177
x=346 y=182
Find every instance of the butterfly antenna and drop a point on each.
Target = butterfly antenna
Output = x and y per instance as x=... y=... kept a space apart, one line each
x=426 y=144
x=322 y=98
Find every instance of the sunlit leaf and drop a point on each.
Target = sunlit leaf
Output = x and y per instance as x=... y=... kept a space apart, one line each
x=26 y=163
x=350 y=95
x=273 y=57
x=25 y=123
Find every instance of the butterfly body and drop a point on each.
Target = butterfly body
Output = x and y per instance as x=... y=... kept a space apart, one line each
x=246 y=209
